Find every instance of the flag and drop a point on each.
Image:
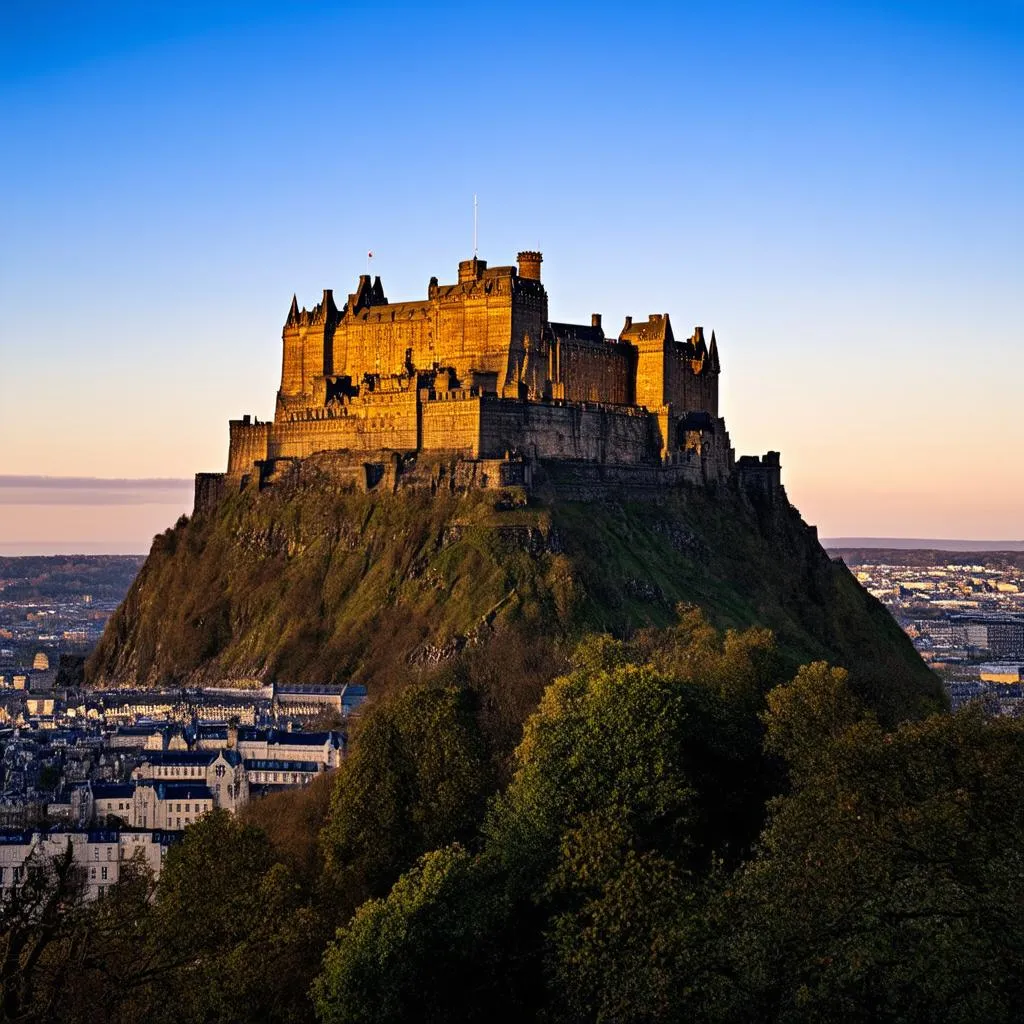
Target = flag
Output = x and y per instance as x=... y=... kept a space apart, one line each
x=369 y=255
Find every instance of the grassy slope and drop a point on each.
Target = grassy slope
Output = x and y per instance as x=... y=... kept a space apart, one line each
x=311 y=583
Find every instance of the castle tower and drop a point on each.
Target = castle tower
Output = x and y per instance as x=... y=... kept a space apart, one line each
x=471 y=270
x=525 y=375
x=307 y=340
x=654 y=341
x=529 y=265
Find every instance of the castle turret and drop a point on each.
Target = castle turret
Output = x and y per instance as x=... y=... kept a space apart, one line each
x=529 y=265
x=471 y=270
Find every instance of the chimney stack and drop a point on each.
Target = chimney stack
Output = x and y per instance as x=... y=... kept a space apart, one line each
x=595 y=320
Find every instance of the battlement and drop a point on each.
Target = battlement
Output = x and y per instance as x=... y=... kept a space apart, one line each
x=760 y=475
x=477 y=368
x=529 y=265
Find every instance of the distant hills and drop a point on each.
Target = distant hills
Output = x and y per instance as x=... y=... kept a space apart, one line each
x=919 y=543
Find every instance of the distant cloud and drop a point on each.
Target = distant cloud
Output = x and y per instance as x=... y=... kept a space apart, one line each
x=76 y=490
x=87 y=515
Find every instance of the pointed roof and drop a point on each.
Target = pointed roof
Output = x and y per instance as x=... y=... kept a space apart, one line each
x=716 y=366
x=360 y=298
x=293 y=311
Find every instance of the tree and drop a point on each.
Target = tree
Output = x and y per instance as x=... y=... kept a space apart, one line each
x=889 y=884
x=417 y=778
x=418 y=953
x=588 y=896
x=38 y=918
x=230 y=924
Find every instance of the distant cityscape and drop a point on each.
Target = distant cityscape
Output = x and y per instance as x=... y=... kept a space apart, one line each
x=120 y=774
x=964 y=613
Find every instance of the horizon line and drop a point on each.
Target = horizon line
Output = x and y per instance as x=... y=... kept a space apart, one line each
x=959 y=545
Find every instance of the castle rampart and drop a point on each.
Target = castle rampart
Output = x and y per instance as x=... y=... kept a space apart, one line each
x=249 y=443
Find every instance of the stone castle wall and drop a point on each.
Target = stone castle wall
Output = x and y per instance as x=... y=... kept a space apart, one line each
x=595 y=373
x=451 y=422
x=480 y=426
x=377 y=421
x=554 y=431
x=686 y=390
x=248 y=443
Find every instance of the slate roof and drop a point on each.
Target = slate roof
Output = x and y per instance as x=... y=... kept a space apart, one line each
x=105 y=835
x=182 y=791
x=302 y=739
x=311 y=688
x=284 y=738
x=578 y=332
x=15 y=837
x=181 y=757
x=113 y=790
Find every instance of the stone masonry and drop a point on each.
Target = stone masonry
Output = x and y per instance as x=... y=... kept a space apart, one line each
x=476 y=370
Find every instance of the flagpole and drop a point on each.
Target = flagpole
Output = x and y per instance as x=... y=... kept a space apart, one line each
x=474 y=225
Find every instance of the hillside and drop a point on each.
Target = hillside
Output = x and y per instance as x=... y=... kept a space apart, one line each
x=309 y=581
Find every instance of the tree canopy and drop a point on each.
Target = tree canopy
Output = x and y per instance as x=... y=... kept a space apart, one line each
x=688 y=830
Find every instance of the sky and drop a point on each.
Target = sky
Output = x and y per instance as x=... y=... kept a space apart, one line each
x=836 y=189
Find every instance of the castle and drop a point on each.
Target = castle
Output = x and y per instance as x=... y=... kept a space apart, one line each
x=478 y=371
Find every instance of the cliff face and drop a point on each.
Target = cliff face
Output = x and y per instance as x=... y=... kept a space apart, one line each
x=309 y=581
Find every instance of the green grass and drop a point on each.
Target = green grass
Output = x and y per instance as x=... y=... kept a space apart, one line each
x=309 y=583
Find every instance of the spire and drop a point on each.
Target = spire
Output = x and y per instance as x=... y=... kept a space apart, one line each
x=293 y=312
x=360 y=298
x=716 y=366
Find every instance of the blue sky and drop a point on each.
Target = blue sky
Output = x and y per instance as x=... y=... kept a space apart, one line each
x=835 y=189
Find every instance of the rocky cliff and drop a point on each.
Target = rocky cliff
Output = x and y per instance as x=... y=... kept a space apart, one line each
x=310 y=580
